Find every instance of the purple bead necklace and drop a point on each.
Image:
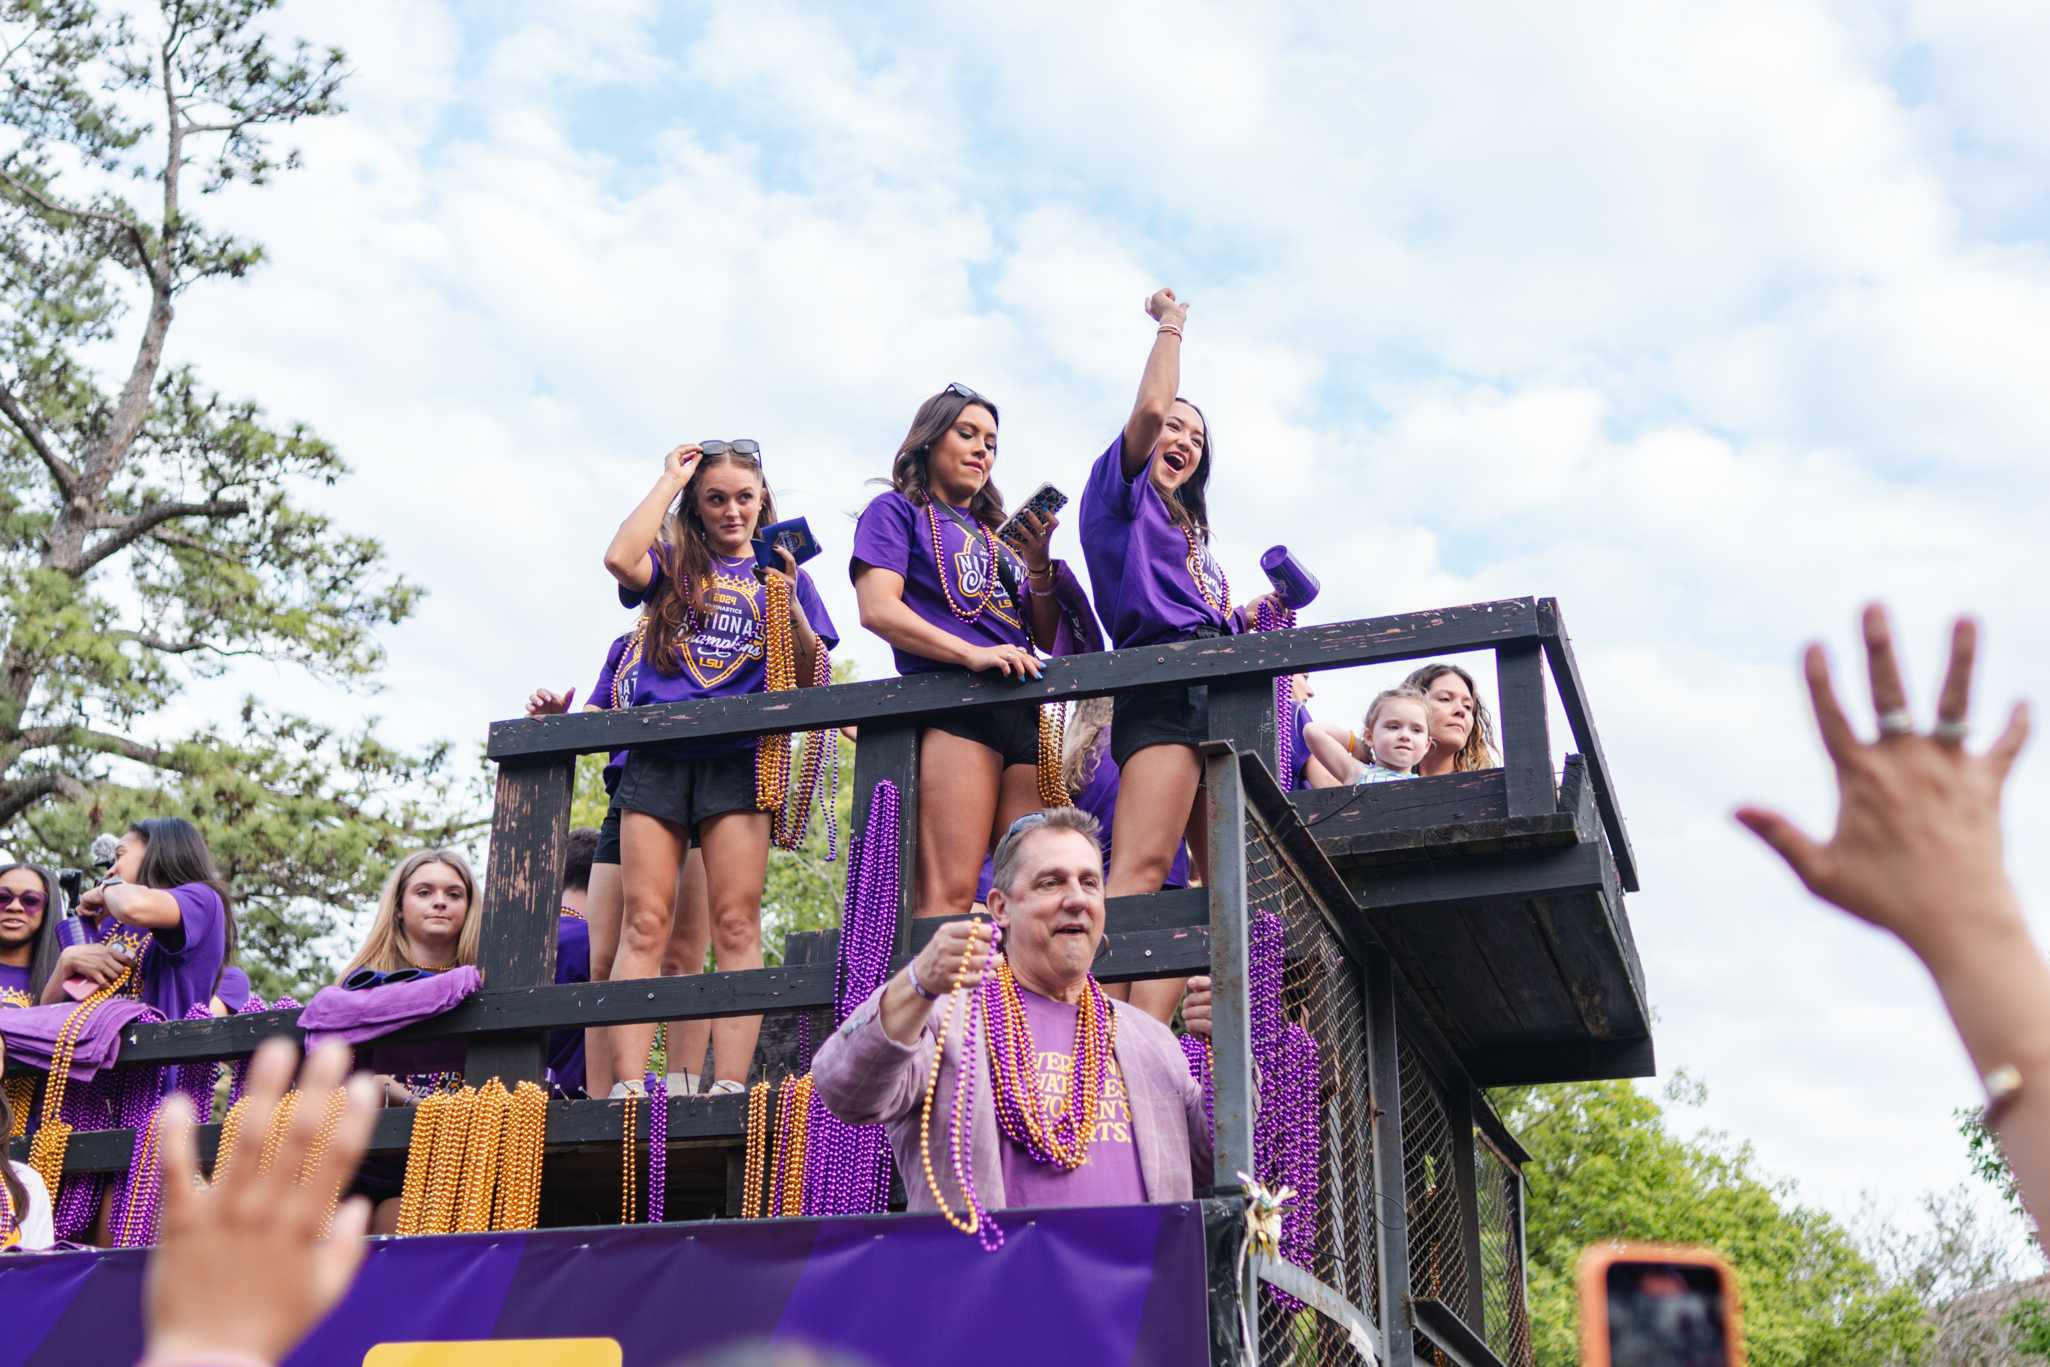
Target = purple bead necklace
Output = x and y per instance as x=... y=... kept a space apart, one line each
x=658 y=1145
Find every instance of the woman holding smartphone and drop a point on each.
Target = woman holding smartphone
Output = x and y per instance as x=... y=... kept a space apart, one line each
x=934 y=581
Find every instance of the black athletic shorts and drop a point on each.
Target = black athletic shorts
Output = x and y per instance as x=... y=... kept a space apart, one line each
x=1178 y=714
x=687 y=792
x=608 y=830
x=1011 y=729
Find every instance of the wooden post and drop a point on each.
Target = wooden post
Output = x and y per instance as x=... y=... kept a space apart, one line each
x=1231 y=1017
x=1384 y=1081
x=1526 y=732
x=522 y=898
x=1242 y=712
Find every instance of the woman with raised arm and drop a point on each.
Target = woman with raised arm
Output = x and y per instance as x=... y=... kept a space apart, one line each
x=1146 y=536
x=935 y=582
x=718 y=624
x=1918 y=852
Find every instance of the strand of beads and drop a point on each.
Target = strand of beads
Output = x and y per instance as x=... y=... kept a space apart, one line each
x=53 y=1132
x=1196 y=1049
x=444 y=1174
x=1273 y=617
x=786 y=1116
x=274 y=1137
x=526 y=1141
x=801 y=1109
x=1201 y=563
x=489 y=1113
x=427 y=1117
x=1060 y=1138
x=1302 y=1148
x=959 y=1013
x=961 y=1140
x=939 y=564
x=794 y=818
x=135 y=1104
x=1053 y=730
x=779 y=669
x=658 y=1146
x=316 y=1152
x=755 y=1162
x=629 y=1131
x=21 y=1100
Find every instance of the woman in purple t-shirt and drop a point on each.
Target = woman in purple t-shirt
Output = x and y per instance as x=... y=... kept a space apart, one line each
x=28 y=932
x=687 y=550
x=164 y=908
x=933 y=580
x=1146 y=537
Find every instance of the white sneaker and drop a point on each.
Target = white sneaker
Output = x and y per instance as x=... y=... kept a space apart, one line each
x=683 y=1084
x=726 y=1086
x=631 y=1087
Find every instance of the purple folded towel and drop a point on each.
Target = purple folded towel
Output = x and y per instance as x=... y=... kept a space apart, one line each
x=353 y=1017
x=30 y=1032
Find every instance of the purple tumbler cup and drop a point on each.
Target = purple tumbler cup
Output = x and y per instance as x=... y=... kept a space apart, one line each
x=1294 y=585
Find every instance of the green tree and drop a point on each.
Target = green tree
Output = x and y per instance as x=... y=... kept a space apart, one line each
x=1606 y=1166
x=151 y=528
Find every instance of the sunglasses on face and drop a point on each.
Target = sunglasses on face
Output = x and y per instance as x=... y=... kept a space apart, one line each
x=31 y=902
x=740 y=446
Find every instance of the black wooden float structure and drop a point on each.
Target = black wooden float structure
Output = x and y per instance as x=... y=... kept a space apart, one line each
x=1444 y=935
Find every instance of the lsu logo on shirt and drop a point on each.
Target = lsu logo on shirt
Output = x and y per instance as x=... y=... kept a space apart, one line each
x=728 y=634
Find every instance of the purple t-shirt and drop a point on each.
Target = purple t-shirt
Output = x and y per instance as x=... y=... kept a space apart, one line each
x=600 y=695
x=14 y=985
x=1141 y=568
x=233 y=989
x=1110 y=1176
x=174 y=979
x=572 y=965
x=724 y=656
x=1301 y=777
x=893 y=535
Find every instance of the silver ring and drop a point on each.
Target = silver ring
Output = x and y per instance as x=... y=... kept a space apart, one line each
x=1951 y=730
x=1897 y=722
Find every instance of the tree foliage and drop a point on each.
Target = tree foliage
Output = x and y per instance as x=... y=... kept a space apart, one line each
x=1605 y=1166
x=152 y=529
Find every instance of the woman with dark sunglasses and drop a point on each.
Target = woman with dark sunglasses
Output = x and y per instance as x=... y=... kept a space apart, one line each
x=714 y=619
x=934 y=581
x=28 y=932
x=1146 y=537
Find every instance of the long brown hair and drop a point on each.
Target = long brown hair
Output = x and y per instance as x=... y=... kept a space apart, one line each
x=1479 y=750
x=43 y=957
x=175 y=854
x=386 y=948
x=680 y=597
x=911 y=471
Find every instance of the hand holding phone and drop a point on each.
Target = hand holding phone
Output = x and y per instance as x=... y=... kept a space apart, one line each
x=1045 y=500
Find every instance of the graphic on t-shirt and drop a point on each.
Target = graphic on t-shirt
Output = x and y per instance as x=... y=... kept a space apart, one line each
x=726 y=632
x=1056 y=1074
x=14 y=996
x=975 y=575
x=1209 y=576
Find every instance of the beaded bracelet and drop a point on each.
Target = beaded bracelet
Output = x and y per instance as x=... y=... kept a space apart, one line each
x=911 y=972
x=1168 y=328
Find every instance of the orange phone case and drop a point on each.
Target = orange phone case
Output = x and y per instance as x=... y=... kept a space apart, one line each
x=1594 y=1298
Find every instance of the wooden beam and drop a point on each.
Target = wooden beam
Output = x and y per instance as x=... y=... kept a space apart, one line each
x=1231 y=1033
x=1384 y=1081
x=522 y=899
x=1566 y=1061
x=1459 y=882
x=1442 y=1326
x=919 y=697
x=1526 y=730
x=1558 y=647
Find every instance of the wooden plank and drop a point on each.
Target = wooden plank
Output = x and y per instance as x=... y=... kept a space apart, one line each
x=1508 y=950
x=1375 y=812
x=522 y=898
x=1526 y=729
x=875 y=702
x=1562 y=1061
x=1453 y=883
x=1558 y=648
x=1459 y=1111
x=1496 y=1134
x=1242 y=716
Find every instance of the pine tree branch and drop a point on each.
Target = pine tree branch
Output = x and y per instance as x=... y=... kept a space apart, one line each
x=142 y=523
x=60 y=469
x=15 y=798
x=100 y=216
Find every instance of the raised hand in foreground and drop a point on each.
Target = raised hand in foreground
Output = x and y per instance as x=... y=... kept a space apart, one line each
x=1917 y=851
x=242 y=1273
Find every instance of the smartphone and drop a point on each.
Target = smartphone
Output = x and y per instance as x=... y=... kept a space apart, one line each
x=1651 y=1305
x=1045 y=500
x=793 y=534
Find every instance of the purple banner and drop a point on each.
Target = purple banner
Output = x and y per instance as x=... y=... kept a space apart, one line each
x=1123 y=1285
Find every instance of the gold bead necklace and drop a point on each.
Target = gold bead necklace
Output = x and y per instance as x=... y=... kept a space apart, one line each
x=754 y=1168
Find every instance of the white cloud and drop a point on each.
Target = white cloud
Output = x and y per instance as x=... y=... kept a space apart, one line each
x=1671 y=313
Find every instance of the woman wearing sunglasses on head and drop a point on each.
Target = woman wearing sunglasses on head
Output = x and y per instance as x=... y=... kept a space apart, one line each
x=718 y=622
x=1146 y=536
x=935 y=582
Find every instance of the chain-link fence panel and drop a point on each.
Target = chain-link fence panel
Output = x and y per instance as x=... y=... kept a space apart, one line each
x=1318 y=1093
x=1499 y=1193
x=1437 y=1250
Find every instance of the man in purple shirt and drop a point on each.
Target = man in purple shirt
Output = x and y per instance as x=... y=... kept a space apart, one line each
x=1149 y=1140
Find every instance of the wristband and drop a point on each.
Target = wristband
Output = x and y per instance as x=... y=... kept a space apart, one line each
x=911 y=972
x=1169 y=329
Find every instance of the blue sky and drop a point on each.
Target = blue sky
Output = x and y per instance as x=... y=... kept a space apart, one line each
x=1711 y=321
